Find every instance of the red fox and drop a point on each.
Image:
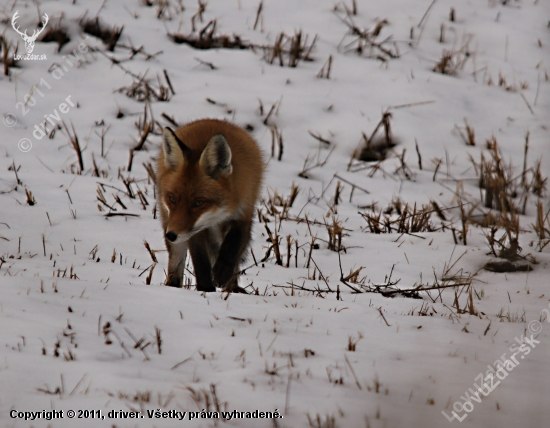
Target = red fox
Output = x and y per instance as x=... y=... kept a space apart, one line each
x=209 y=176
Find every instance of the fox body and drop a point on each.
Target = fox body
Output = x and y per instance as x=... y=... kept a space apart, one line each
x=209 y=176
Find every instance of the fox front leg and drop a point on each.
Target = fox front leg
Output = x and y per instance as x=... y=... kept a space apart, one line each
x=230 y=254
x=198 y=247
x=177 y=254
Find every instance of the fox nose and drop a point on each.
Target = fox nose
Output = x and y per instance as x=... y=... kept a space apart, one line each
x=171 y=236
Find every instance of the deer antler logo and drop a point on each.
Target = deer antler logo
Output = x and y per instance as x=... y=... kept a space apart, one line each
x=29 y=40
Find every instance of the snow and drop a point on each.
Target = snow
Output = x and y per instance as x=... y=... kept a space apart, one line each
x=284 y=348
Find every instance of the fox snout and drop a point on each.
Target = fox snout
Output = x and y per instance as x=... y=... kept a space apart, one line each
x=171 y=236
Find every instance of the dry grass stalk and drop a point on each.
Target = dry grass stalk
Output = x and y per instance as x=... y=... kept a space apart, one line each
x=276 y=141
x=328 y=421
x=258 y=14
x=353 y=341
x=453 y=61
x=150 y=276
x=150 y=251
x=101 y=198
x=538 y=182
x=274 y=109
x=289 y=242
x=95 y=169
x=353 y=276
x=73 y=140
x=207 y=399
x=275 y=241
x=142 y=90
x=507 y=246
x=458 y=281
x=163 y=8
x=496 y=178
x=469 y=138
x=418 y=154
x=365 y=41
x=144 y=128
x=501 y=186
x=324 y=73
x=375 y=148
x=542 y=227
x=276 y=200
x=151 y=174
x=343 y=7
x=337 y=192
x=335 y=231
x=403 y=167
x=57 y=34
x=509 y=317
x=30 y=198
x=408 y=220
x=207 y=38
x=295 y=48
x=198 y=14
x=158 y=339
x=314 y=162
x=102 y=137
x=8 y=57
x=510 y=87
x=109 y=36
x=320 y=139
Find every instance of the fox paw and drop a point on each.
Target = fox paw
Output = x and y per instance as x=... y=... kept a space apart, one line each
x=174 y=281
x=222 y=273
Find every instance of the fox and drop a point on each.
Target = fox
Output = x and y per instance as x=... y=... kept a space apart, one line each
x=209 y=178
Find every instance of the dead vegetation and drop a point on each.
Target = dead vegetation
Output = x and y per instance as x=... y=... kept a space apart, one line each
x=504 y=196
x=318 y=421
x=324 y=73
x=289 y=50
x=366 y=41
x=145 y=89
x=278 y=205
x=166 y=9
x=286 y=50
x=406 y=220
x=74 y=142
x=456 y=280
x=9 y=50
x=453 y=61
x=353 y=341
x=503 y=83
x=375 y=147
x=207 y=399
x=109 y=35
x=542 y=227
x=207 y=38
x=56 y=33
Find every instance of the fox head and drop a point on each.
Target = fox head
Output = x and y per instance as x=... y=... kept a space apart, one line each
x=194 y=186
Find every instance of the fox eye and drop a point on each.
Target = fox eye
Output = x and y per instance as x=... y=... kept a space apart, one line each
x=172 y=199
x=198 y=203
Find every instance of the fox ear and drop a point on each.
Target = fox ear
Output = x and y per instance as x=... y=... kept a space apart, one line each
x=174 y=149
x=216 y=157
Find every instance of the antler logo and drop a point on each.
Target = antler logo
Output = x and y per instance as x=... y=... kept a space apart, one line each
x=29 y=40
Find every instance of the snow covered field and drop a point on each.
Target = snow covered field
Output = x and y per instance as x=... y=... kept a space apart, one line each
x=457 y=87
